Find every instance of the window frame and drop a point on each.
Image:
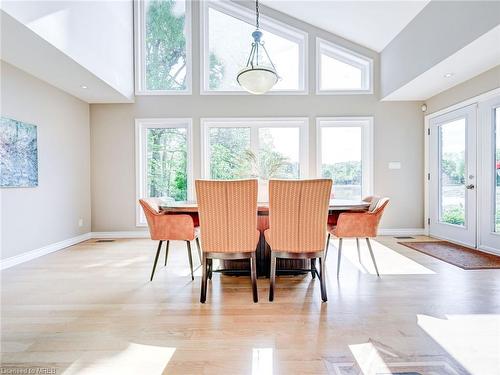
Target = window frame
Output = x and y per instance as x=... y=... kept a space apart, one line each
x=366 y=125
x=140 y=54
x=141 y=126
x=247 y=15
x=345 y=55
x=255 y=123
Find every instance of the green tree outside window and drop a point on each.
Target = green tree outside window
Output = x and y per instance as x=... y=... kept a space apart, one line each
x=165 y=44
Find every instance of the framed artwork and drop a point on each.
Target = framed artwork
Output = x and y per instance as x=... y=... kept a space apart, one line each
x=18 y=154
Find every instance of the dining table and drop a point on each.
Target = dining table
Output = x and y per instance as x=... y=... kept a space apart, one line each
x=263 y=252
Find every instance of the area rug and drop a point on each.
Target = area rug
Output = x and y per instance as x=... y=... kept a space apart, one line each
x=460 y=256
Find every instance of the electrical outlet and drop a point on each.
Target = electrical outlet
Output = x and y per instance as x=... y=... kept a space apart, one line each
x=80 y=222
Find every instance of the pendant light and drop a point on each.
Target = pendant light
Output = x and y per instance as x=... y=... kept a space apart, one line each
x=256 y=77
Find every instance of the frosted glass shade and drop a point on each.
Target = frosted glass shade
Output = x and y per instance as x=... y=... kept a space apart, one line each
x=257 y=80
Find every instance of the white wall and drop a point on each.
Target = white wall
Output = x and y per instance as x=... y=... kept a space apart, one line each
x=35 y=217
x=398 y=136
x=96 y=34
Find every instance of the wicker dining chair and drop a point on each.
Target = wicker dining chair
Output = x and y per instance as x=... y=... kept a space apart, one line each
x=298 y=213
x=169 y=228
x=228 y=225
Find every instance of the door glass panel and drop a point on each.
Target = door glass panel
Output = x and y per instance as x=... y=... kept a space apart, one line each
x=341 y=160
x=452 y=172
x=278 y=153
x=497 y=168
x=229 y=148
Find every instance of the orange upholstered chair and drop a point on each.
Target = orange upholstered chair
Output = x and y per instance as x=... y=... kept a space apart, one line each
x=298 y=213
x=359 y=225
x=169 y=228
x=228 y=225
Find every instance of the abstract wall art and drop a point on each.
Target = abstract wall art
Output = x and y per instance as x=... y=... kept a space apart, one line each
x=18 y=154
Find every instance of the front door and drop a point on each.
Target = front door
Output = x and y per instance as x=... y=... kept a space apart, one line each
x=452 y=179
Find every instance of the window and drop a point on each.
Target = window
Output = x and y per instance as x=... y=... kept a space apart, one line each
x=255 y=148
x=163 y=40
x=345 y=155
x=227 y=30
x=342 y=71
x=163 y=160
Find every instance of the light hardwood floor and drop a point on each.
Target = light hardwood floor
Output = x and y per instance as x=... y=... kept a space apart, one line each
x=90 y=309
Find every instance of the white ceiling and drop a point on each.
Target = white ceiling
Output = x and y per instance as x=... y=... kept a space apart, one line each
x=26 y=50
x=475 y=58
x=372 y=24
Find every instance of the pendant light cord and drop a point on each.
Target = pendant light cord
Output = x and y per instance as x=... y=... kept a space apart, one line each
x=257 y=13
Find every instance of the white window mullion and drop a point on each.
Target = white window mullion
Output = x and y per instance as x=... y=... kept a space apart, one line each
x=254 y=140
x=367 y=162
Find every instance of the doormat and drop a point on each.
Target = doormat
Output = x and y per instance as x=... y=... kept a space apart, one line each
x=458 y=255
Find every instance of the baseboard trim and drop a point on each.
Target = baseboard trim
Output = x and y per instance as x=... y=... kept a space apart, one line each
x=121 y=234
x=401 y=231
x=37 y=253
x=33 y=254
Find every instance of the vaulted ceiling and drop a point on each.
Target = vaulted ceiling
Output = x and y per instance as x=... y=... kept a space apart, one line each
x=372 y=24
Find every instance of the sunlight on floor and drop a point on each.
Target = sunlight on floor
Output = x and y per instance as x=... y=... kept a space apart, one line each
x=369 y=360
x=135 y=359
x=128 y=262
x=262 y=361
x=389 y=262
x=472 y=340
x=181 y=271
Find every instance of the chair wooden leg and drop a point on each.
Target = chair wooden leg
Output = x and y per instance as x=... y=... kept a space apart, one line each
x=359 y=253
x=253 y=275
x=313 y=268
x=327 y=245
x=272 y=278
x=199 y=248
x=203 y=292
x=156 y=260
x=339 y=257
x=373 y=256
x=322 y=279
x=190 y=256
x=166 y=252
x=210 y=265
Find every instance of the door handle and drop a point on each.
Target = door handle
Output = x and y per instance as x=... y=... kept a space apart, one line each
x=470 y=187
